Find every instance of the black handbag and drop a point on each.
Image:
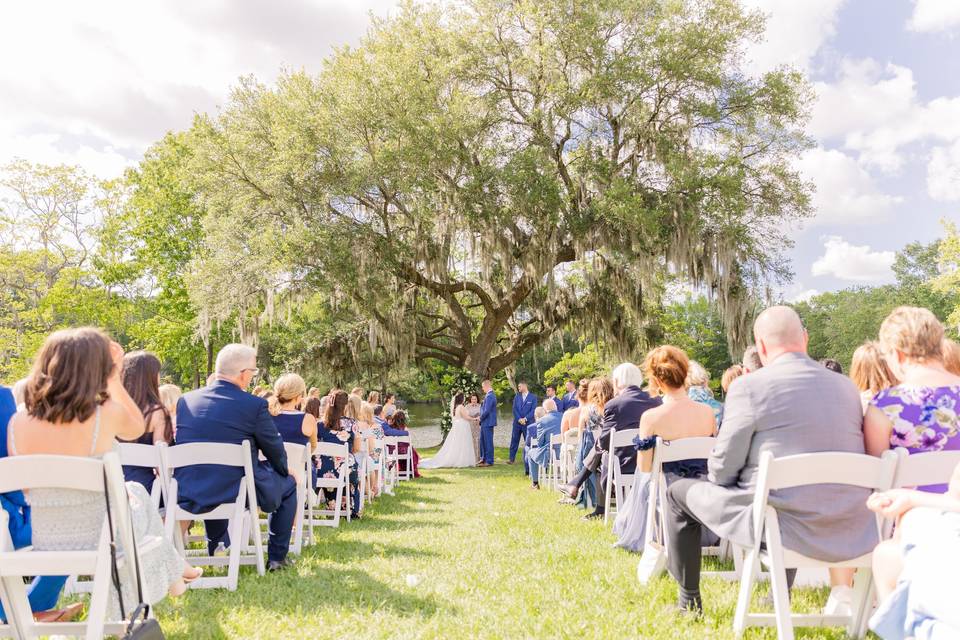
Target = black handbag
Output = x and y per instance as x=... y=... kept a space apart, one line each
x=142 y=626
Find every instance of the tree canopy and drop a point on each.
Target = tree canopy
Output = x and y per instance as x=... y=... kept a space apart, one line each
x=473 y=178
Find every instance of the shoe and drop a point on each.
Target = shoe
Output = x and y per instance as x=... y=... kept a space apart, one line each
x=840 y=602
x=593 y=516
x=68 y=613
x=569 y=490
x=484 y=464
x=692 y=607
x=279 y=565
x=566 y=500
x=510 y=462
x=535 y=485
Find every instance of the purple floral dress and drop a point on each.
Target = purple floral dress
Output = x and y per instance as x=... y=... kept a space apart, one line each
x=924 y=419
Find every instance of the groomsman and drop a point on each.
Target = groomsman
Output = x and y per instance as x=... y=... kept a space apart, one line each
x=524 y=406
x=569 y=400
x=488 y=421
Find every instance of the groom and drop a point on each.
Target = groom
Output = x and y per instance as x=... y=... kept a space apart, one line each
x=488 y=420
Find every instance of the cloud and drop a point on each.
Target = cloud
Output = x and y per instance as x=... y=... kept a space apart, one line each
x=802 y=295
x=845 y=192
x=856 y=263
x=794 y=32
x=873 y=110
x=934 y=15
x=99 y=82
x=943 y=173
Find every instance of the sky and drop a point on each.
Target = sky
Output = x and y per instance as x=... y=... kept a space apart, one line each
x=95 y=83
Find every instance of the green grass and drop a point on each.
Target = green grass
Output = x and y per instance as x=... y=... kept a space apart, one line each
x=493 y=558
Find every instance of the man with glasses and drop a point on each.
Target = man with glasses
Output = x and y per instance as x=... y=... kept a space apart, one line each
x=225 y=412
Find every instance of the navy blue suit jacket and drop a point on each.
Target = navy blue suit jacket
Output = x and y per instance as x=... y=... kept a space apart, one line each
x=488 y=410
x=13 y=503
x=524 y=409
x=623 y=412
x=225 y=413
x=569 y=401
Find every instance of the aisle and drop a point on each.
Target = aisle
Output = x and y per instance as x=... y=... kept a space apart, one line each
x=471 y=553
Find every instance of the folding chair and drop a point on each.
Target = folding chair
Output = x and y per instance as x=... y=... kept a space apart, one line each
x=618 y=483
x=569 y=448
x=72 y=473
x=921 y=469
x=391 y=445
x=147 y=455
x=673 y=451
x=326 y=517
x=243 y=514
x=795 y=471
x=298 y=460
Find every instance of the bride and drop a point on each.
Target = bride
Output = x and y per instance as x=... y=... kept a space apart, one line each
x=457 y=449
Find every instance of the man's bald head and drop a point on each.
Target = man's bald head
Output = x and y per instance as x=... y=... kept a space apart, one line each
x=778 y=330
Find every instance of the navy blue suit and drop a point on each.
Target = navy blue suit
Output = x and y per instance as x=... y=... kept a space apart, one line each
x=622 y=412
x=225 y=413
x=521 y=409
x=568 y=401
x=44 y=591
x=488 y=421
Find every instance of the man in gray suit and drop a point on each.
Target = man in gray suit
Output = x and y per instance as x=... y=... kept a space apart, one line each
x=792 y=405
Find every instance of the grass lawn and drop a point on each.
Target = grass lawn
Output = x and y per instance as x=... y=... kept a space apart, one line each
x=471 y=553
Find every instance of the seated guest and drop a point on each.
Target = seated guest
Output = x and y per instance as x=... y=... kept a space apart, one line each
x=398 y=427
x=169 y=396
x=313 y=393
x=751 y=360
x=538 y=455
x=623 y=412
x=211 y=379
x=915 y=570
x=373 y=434
x=19 y=387
x=919 y=413
x=141 y=379
x=293 y=425
x=680 y=416
x=599 y=393
x=378 y=418
x=76 y=405
x=571 y=417
x=832 y=365
x=373 y=398
x=870 y=372
x=951 y=356
x=389 y=405
x=225 y=412
x=698 y=388
x=44 y=591
x=771 y=410
x=731 y=374
x=338 y=428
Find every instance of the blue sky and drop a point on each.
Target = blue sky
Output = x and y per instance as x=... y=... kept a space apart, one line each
x=95 y=83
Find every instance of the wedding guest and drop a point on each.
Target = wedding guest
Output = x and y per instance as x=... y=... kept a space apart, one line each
x=914 y=571
x=951 y=356
x=352 y=411
x=538 y=455
x=373 y=434
x=751 y=360
x=378 y=417
x=731 y=374
x=870 y=372
x=76 y=405
x=293 y=425
x=19 y=387
x=571 y=417
x=357 y=391
x=373 y=398
x=169 y=396
x=44 y=591
x=919 y=412
x=770 y=410
x=389 y=405
x=399 y=428
x=832 y=365
x=313 y=393
x=599 y=393
x=680 y=416
x=338 y=428
x=698 y=388
x=141 y=379
x=524 y=405
x=551 y=392
x=569 y=396
x=211 y=378
x=225 y=412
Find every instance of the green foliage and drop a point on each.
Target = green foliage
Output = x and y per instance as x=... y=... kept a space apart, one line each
x=587 y=363
x=947 y=281
x=694 y=325
x=463 y=381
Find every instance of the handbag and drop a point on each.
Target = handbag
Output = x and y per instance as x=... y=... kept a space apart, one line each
x=652 y=562
x=148 y=628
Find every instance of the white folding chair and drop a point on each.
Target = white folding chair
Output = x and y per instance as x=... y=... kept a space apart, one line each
x=848 y=469
x=321 y=514
x=921 y=469
x=243 y=514
x=147 y=455
x=553 y=464
x=618 y=483
x=569 y=448
x=298 y=460
x=72 y=473
x=391 y=445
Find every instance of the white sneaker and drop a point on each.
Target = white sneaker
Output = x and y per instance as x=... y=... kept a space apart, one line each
x=840 y=602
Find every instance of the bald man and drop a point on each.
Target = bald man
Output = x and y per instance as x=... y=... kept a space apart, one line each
x=790 y=406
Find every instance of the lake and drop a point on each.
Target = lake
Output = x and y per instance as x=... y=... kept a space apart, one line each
x=424 y=420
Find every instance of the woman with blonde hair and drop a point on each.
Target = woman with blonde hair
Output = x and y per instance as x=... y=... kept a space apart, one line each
x=680 y=416
x=870 y=372
x=698 y=388
x=295 y=426
x=920 y=412
x=599 y=393
x=731 y=374
x=951 y=356
x=372 y=434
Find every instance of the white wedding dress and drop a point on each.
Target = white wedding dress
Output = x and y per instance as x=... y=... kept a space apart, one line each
x=458 y=449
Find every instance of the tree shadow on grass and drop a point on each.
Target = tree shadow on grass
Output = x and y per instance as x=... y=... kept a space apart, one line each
x=291 y=594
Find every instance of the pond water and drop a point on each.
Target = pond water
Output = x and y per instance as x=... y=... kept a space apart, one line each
x=424 y=420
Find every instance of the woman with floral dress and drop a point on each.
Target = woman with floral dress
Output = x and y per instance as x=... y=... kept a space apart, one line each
x=922 y=412
x=337 y=428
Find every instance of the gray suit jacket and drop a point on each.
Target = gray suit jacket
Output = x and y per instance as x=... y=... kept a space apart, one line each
x=792 y=406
